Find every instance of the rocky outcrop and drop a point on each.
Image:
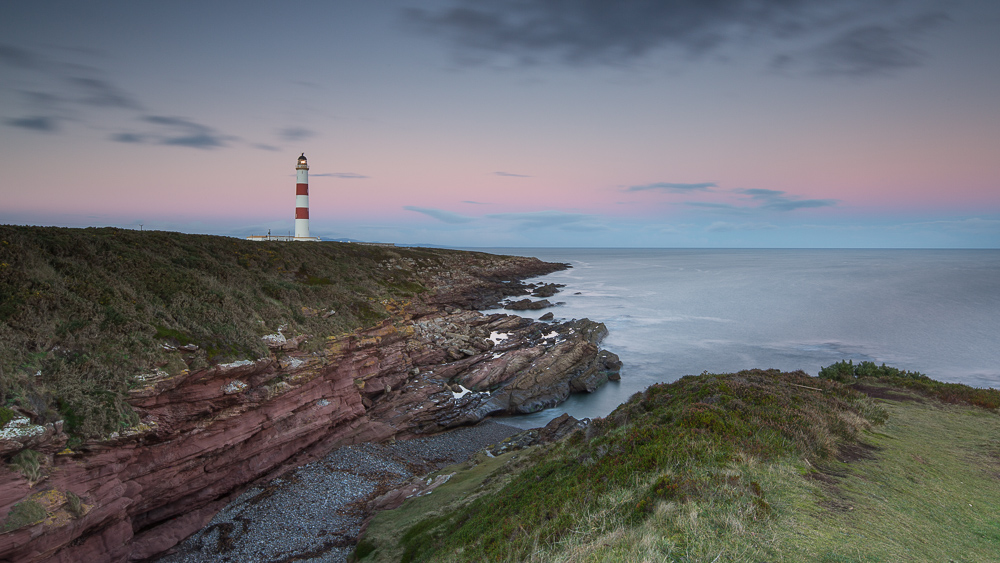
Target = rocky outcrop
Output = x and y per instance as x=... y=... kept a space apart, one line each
x=527 y=305
x=208 y=434
x=547 y=290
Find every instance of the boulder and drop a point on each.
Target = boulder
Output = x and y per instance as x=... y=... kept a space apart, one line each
x=547 y=290
x=527 y=305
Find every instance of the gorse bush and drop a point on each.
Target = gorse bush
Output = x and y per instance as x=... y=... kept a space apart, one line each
x=83 y=311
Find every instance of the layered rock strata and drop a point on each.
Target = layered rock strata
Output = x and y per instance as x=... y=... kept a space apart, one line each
x=207 y=435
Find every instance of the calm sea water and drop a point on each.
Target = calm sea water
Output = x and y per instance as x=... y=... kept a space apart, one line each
x=674 y=312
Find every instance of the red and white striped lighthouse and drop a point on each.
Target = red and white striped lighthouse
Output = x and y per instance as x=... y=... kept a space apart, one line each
x=302 y=199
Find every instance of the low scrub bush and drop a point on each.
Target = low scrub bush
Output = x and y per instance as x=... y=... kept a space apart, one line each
x=6 y=415
x=956 y=393
x=74 y=504
x=29 y=464
x=24 y=514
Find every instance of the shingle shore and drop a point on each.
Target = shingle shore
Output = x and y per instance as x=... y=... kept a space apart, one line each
x=312 y=513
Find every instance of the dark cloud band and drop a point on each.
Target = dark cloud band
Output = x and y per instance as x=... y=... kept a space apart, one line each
x=858 y=37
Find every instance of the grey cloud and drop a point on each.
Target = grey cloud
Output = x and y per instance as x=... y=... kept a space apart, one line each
x=101 y=93
x=170 y=121
x=791 y=205
x=875 y=49
x=759 y=193
x=73 y=87
x=671 y=187
x=128 y=138
x=36 y=123
x=475 y=202
x=265 y=147
x=296 y=133
x=195 y=141
x=83 y=84
x=510 y=175
x=589 y=32
x=178 y=132
x=17 y=57
x=546 y=219
x=855 y=36
x=440 y=214
x=778 y=201
x=41 y=99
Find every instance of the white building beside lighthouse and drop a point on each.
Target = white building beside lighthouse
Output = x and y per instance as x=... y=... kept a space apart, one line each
x=301 y=206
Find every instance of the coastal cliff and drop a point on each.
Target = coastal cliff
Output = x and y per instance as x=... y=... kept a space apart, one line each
x=201 y=429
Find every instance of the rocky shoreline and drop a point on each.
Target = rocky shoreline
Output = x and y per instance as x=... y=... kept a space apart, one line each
x=208 y=435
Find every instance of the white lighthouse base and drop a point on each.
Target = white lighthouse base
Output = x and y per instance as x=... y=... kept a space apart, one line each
x=281 y=238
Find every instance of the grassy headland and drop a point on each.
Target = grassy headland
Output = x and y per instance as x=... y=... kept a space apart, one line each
x=752 y=466
x=83 y=311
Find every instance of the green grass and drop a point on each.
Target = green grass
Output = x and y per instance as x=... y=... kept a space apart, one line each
x=83 y=311
x=467 y=481
x=929 y=494
x=695 y=440
x=754 y=466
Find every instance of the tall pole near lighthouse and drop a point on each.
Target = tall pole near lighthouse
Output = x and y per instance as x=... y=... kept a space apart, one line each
x=302 y=199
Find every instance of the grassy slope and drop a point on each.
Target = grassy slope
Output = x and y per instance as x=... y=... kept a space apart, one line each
x=743 y=467
x=90 y=308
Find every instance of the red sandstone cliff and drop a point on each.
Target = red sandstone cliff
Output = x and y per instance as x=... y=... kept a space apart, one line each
x=207 y=434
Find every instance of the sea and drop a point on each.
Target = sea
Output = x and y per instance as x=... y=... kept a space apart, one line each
x=677 y=312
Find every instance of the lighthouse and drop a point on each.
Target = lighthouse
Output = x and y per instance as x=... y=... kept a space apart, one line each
x=302 y=199
x=301 y=207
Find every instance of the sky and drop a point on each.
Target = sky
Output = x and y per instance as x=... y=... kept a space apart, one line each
x=510 y=123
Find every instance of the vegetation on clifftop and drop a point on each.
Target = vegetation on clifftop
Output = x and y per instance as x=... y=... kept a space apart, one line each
x=752 y=466
x=84 y=311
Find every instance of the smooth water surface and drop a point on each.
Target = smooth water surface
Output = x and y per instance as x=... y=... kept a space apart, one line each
x=674 y=312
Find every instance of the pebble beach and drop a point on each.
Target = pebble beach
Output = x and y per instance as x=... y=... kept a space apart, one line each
x=314 y=513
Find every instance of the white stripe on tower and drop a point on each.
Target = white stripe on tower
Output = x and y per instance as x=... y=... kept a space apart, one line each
x=302 y=198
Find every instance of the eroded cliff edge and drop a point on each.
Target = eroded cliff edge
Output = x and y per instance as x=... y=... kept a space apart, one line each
x=205 y=434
